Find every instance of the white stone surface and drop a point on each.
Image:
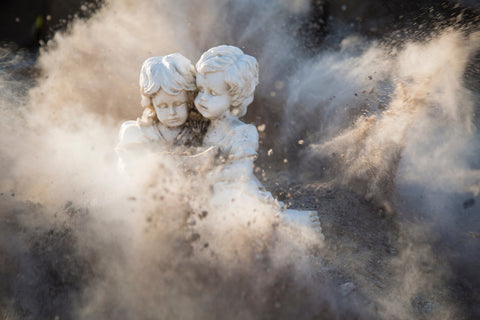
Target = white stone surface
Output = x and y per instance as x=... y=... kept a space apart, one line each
x=225 y=78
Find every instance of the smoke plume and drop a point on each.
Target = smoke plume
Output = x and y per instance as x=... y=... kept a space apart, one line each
x=394 y=123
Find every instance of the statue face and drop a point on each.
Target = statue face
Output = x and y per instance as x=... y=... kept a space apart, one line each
x=213 y=100
x=171 y=110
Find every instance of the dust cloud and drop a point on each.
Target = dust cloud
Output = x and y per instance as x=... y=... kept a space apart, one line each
x=398 y=125
x=395 y=123
x=387 y=104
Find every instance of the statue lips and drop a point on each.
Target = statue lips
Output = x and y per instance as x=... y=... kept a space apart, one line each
x=174 y=121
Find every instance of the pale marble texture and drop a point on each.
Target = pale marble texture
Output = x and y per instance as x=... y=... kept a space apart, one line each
x=167 y=85
x=226 y=81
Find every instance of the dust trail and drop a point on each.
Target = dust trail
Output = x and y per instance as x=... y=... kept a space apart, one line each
x=88 y=244
x=399 y=127
x=97 y=245
x=394 y=99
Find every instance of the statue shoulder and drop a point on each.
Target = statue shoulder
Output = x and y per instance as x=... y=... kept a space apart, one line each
x=244 y=131
x=244 y=140
x=133 y=132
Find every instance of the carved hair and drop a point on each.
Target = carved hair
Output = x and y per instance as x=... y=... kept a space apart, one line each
x=172 y=73
x=241 y=74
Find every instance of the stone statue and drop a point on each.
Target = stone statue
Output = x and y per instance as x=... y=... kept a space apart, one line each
x=226 y=81
x=225 y=78
x=167 y=88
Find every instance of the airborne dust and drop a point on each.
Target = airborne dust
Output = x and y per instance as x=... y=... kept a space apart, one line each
x=379 y=136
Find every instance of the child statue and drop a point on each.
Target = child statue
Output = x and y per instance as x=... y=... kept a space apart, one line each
x=167 y=87
x=226 y=81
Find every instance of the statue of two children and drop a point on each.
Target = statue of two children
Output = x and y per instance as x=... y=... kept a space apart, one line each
x=199 y=107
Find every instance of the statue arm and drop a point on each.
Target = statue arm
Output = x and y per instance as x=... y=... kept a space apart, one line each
x=234 y=171
x=131 y=142
x=130 y=134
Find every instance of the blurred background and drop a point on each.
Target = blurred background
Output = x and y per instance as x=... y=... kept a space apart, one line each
x=368 y=112
x=26 y=23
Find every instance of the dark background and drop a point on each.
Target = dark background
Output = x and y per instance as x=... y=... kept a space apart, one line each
x=62 y=271
x=26 y=23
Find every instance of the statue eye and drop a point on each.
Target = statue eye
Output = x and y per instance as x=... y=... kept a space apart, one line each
x=162 y=106
x=178 y=103
x=213 y=93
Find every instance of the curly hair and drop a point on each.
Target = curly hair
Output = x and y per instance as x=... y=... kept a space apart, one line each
x=172 y=73
x=241 y=74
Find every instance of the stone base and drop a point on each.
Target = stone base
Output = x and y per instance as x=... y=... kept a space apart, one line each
x=307 y=218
